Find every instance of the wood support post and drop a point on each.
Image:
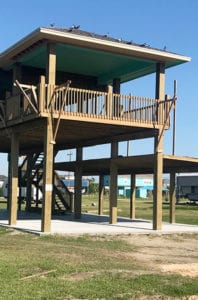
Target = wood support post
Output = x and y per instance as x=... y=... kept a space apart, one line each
x=9 y=180
x=116 y=86
x=101 y=195
x=48 y=142
x=50 y=70
x=158 y=151
x=114 y=149
x=160 y=81
x=78 y=185
x=13 y=179
x=158 y=173
x=109 y=101
x=29 y=183
x=113 y=184
x=132 y=197
x=20 y=196
x=48 y=177
x=53 y=193
x=42 y=95
x=160 y=89
x=172 y=198
x=51 y=63
x=113 y=193
x=16 y=76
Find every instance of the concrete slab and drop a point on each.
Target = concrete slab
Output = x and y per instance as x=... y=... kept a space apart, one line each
x=91 y=224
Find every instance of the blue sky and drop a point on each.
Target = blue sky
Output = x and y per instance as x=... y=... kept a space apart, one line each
x=170 y=23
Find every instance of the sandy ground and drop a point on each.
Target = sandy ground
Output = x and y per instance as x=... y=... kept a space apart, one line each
x=176 y=254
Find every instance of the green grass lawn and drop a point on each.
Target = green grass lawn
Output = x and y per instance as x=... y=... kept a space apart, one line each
x=87 y=267
x=186 y=214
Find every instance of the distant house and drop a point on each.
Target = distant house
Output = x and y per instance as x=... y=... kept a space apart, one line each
x=144 y=183
x=69 y=182
x=2 y=179
x=187 y=187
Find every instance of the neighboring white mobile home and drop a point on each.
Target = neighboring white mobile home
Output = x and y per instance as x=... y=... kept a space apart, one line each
x=23 y=192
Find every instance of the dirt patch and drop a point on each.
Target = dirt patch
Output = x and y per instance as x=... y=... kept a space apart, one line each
x=190 y=270
x=79 y=276
x=160 y=297
x=176 y=254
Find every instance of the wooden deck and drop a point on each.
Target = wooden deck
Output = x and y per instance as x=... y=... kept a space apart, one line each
x=141 y=164
x=74 y=113
x=84 y=105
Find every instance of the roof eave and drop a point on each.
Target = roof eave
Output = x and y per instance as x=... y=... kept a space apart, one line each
x=111 y=46
x=21 y=45
x=88 y=42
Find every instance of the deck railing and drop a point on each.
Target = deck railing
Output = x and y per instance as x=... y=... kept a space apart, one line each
x=111 y=106
x=67 y=101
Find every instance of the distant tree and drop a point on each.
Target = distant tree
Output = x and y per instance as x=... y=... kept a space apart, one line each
x=93 y=187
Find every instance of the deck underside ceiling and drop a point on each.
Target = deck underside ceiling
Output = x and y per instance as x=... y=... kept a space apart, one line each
x=71 y=134
x=143 y=164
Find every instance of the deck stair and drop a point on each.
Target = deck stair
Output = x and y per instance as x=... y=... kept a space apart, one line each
x=63 y=197
x=34 y=172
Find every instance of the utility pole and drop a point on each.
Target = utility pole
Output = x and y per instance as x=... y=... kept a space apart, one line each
x=128 y=148
x=174 y=117
x=70 y=155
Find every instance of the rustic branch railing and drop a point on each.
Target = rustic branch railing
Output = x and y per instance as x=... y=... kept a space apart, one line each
x=23 y=104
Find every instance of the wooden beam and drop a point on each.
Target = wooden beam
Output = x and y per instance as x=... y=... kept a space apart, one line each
x=116 y=86
x=108 y=139
x=9 y=180
x=158 y=172
x=101 y=195
x=113 y=193
x=132 y=197
x=113 y=184
x=48 y=177
x=160 y=81
x=34 y=125
x=172 y=198
x=114 y=149
x=13 y=188
x=51 y=64
x=41 y=91
x=50 y=70
x=140 y=164
x=16 y=75
x=160 y=89
x=109 y=101
x=78 y=185
x=29 y=182
x=158 y=151
x=20 y=87
x=61 y=110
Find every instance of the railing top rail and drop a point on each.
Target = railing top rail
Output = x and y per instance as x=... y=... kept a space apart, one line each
x=121 y=96
x=134 y=97
x=63 y=87
x=27 y=86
